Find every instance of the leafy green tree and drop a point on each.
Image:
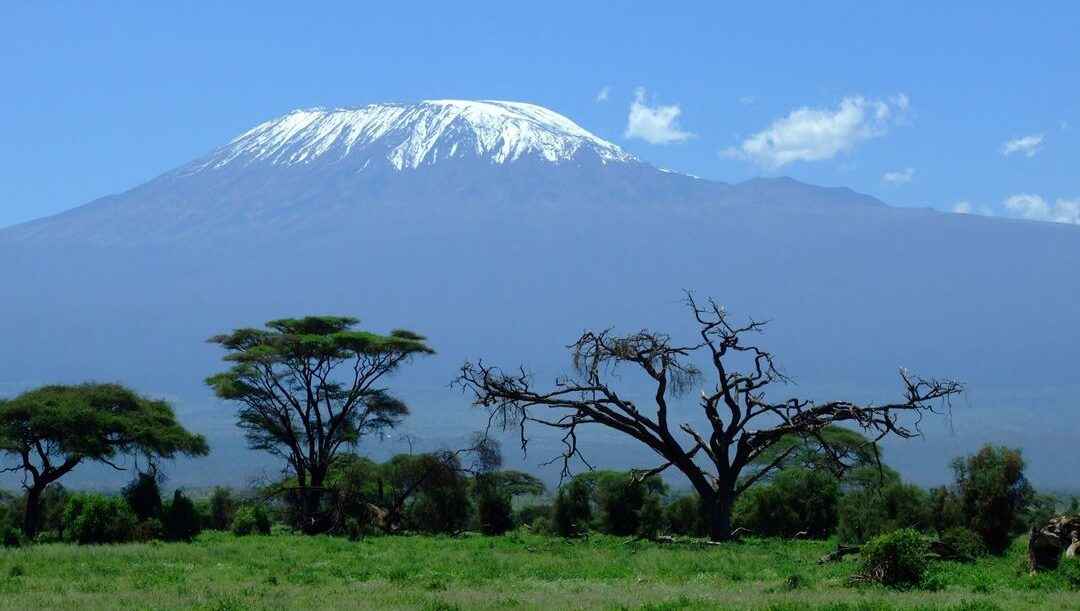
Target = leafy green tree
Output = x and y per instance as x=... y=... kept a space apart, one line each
x=876 y=501
x=495 y=494
x=835 y=449
x=222 y=508
x=619 y=497
x=95 y=519
x=993 y=493
x=572 y=511
x=181 y=520
x=796 y=500
x=251 y=520
x=306 y=388
x=946 y=511
x=442 y=503
x=651 y=520
x=51 y=430
x=684 y=516
x=144 y=496
x=494 y=507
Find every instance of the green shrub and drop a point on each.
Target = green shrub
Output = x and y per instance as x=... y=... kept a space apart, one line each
x=572 y=511
x=144 y=496
x=148 y=530
x=181 y=520
x=620 y=498
x=250 y=520
x=796 y=500
x=222 y=508
x=882 y=507
x=1070 y=570
x=651 y=518
x=93 y=518
x=684 y=516
x=528 y=515
x=495 y=513
x=11 y=537
x=965 y=542
x=898 y=559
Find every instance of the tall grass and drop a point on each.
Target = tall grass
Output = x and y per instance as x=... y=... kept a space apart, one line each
x=221 y=571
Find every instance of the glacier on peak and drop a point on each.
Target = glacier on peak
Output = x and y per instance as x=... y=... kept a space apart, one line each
x=408 y=136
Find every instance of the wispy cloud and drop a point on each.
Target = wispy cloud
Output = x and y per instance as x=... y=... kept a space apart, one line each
x=966 y=207
x=747 y=100
x=654 y=124
x=603 y=94
x=899 y=177
x=814 y=134
x=1027 y=146
x=1034 y=207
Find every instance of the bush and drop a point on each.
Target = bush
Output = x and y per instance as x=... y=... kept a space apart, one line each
x=181 y=520
x=945 y=510
x=222 y=509
x=1070 y=570
x=441 y=509
x=877 y=509
x=897 y=559
x=144 y=496
x=572 y=511
x=796 y=500
x=620 y=498
x=651 y=518
x=148 y=530
x=684 y=516
x=11 y=537
x=250 y=520
x=530 y=514
x=93 y=518
x=965 y=542
x=495 y=513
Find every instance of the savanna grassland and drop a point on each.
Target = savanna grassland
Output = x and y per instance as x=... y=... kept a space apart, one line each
x=221 y=571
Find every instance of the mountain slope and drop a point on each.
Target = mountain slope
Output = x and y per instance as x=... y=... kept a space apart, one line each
x=508 y=255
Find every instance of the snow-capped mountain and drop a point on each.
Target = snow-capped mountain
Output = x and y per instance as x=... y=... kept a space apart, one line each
x=407 y=136
x=500 y=230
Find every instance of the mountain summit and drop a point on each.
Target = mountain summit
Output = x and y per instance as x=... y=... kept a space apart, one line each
x=407 y=136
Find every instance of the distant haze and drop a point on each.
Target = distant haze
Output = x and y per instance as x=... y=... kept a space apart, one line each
x=501 y=231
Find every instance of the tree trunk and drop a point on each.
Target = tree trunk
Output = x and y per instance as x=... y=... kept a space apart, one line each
x=314 y=522
x=32 y=515
x=719 y=517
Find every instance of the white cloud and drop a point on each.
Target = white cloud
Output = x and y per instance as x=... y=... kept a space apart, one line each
x=1034 y=207
x=1027 y=146
x=603 y=94
x=966 y=207
x=654 y=124
x=747 y=100
x=811 y=134
x=899 y=177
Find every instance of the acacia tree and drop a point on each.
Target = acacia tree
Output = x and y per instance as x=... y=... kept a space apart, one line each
x=742 y=423
x=307 y=387
x=51 y=430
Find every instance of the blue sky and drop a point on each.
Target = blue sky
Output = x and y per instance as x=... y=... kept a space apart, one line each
x=915 y=103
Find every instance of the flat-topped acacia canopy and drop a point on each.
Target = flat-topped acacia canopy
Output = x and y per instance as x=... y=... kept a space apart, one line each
x=51 y=430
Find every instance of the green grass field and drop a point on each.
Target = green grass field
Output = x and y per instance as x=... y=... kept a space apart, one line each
x=221 y=571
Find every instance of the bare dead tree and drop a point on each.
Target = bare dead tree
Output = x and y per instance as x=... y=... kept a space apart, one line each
x=742 y=422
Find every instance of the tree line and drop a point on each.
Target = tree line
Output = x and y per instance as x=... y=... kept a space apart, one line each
x=310 y=390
